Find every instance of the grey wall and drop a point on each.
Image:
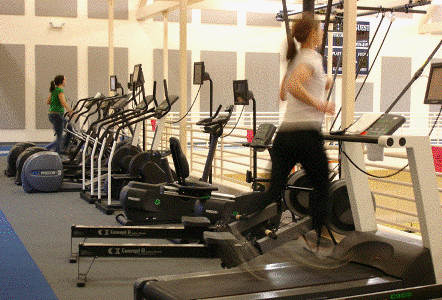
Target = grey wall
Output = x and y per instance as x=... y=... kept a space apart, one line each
x=12 y=7
x=51 y=61
x=262 y=74
x=364 y=102
x=395 y=74
x=173 y=81
x=221 y=67
x=56 y=8
x=12 y=87
x=98 y=69
x=99 y=9
x=262 y=19
x=220 y=17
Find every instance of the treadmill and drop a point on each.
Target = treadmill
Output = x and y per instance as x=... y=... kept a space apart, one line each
x=385 y=263
x=377 y=267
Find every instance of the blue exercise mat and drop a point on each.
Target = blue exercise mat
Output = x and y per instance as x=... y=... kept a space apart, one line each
x=4 y=150
x=20 y=278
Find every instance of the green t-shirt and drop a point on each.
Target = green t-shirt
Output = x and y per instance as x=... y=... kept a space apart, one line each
x=55 y=101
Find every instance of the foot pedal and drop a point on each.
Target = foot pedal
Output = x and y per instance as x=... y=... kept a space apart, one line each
x=270 y=233
x=240 y=217
x=195 y=221
x=232 y=250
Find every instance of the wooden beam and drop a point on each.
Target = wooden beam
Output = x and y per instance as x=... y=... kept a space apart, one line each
x=348 y=63
x=425 y=27
x=155 y=8
x=111 y=4
x=166 y=45
x=183 y=73
x=142 y=3
x=159 y=6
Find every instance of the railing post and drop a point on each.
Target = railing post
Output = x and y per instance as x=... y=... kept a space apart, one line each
x=222 y=159
x=191 y=147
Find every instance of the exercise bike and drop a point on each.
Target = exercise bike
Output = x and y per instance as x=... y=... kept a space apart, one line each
x=145 y=203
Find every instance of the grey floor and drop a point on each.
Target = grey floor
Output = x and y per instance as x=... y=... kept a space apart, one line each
x=43 y=221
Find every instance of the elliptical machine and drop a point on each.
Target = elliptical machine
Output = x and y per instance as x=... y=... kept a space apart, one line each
x=139 y=165
x=13 y=154
x=40 y=170
x=20 y=147
x=121 y=156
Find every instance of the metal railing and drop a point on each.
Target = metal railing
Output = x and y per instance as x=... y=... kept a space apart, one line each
x=395 y=205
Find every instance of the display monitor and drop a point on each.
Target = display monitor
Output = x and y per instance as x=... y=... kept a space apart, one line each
x=241 y=92
x=198 y=73
x=138 y=75
x=433 y=95
x=113 y=83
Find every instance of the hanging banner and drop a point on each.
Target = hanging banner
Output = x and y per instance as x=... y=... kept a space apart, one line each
x=362 y=44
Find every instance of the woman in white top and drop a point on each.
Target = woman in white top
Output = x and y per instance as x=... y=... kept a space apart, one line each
x=299 y=138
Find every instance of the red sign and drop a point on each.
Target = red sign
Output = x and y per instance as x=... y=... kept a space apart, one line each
x=249 y=135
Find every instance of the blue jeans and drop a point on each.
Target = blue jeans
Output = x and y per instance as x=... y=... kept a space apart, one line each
x=61 y=142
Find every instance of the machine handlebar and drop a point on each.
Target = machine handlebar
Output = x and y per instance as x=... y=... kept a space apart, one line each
x=215 y=119
x=208 y=120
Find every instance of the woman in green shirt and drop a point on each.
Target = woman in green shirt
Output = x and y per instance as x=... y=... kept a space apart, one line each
x=57 y=105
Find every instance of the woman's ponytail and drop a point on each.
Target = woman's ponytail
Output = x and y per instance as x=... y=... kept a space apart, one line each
x=52 y=88
x=300 y=32
x=56 y=82
x=291 y=50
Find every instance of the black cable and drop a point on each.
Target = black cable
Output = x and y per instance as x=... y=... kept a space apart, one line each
x=174 y=122
x=365 y=172
x=377 y=54
x=239 y=118
x=390 y=175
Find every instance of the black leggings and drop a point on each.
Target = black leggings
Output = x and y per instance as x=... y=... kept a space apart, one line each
x=307 y=148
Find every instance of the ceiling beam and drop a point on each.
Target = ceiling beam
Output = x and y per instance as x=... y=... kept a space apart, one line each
x=425 y=26
x=156 y=7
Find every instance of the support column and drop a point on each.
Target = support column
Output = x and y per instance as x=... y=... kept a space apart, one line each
x=165 y=45
x=30 y=109
x=349 y=63
x=329 y=66
x=111 y=4
x=183 y=73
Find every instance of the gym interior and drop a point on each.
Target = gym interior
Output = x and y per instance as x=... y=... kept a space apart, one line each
x=176 y=104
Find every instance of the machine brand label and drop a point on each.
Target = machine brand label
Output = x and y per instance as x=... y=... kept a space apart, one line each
x=212 y=212
x=118 y=232
x=46 y=172
x=401 y=295
x=133 y=199
x=132 y=251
